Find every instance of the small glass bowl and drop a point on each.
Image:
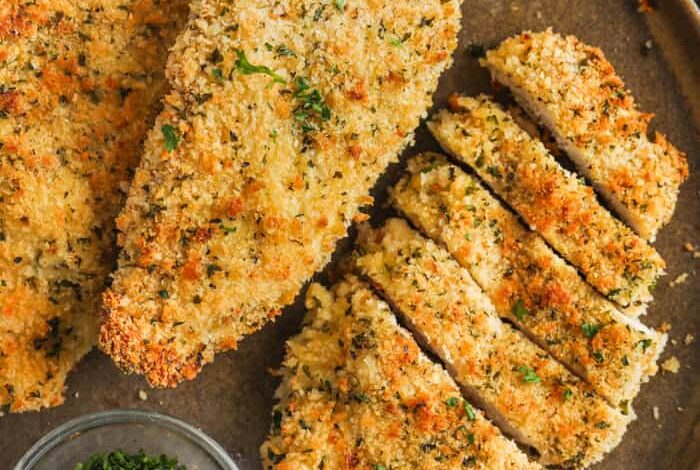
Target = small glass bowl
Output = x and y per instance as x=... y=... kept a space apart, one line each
x=128 y=430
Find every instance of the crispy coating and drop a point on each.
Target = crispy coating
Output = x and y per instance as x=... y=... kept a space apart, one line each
x=357 y=392
x=282 y=117
x=522 y=388
x=573 y=90
x=80 y=85
x=527 y=282
x=612 y=258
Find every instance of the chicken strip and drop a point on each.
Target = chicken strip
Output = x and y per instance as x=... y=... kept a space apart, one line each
x=525 y=391
x=529 y=284
x=571 y=89
x=612 y=258
x=357 y=392
x=80 y=85
x=282 y=117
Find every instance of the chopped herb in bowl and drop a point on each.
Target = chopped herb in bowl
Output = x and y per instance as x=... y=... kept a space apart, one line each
x=119 y=460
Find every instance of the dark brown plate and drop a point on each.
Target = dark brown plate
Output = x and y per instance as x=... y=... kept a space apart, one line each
x=232 y=398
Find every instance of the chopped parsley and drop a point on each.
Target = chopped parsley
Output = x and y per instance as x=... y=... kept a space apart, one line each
x=312 y=106
x=529 y=374
x=451 y=402
x=590 y=330
x=494 y=171
x=519 y=310
x=361 y=398
x=340 y=4
x=171 y=137
x=246 y=68
x=471 y=414
x=613 y=292
x=284 y=51
x=119 y=460
x=646 y=342
x=163 y=294
x=567 y=394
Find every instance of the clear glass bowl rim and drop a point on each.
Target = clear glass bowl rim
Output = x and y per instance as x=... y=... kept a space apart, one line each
x=119 y=416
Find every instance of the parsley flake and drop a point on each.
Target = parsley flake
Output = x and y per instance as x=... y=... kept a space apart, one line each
x=519 y=310
x=590 y=330
x=471 y=414
x=244 y=67
x=171 y=137
x=529 y=375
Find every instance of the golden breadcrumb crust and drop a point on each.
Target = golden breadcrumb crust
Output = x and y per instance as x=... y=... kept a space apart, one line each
x=281 y=118
x=80 y=84
x=357 y=392
x=527 y=282
x=612 y=258
x=524 y=390
x=574 y=91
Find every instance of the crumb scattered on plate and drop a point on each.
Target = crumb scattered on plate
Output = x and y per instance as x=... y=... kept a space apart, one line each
x=689 y=338
x=143 y=396
x=672 y=364
x=679 y=280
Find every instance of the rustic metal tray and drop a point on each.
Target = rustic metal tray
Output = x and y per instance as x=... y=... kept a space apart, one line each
x=232 y=398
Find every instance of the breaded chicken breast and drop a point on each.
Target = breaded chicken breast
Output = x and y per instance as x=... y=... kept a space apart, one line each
x=281 y=118
x=357 y=392
x=80 y=85
x=528 y=283
x=522 y=388
x=554 y=202
x=572 y=89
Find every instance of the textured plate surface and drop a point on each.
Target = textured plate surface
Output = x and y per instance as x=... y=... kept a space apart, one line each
x=231 y=400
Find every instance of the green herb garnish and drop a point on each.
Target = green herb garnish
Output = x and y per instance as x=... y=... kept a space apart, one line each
x=590 y=330
x=312 y=105
x=119 y=460
x=171 y=136
x=246 y=68
x=567 y=394
x=451 y=402
x=519 y=310
x=529 y=374
x=645 y=343
x=471 y=414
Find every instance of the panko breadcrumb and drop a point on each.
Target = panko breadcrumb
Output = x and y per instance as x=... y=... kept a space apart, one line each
x=527 y=282
x=357 y=392
x=80 y=85
x=672 y=365
x=573 y=90
x=522 y=388
x=566 y=212
x=282 y=117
